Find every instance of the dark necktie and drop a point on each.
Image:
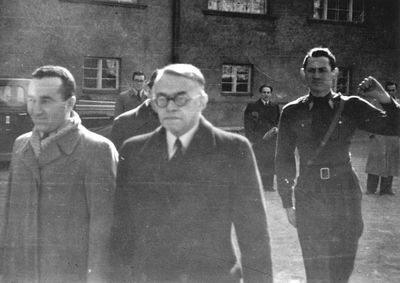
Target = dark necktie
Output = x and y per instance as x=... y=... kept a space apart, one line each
x=178 y=151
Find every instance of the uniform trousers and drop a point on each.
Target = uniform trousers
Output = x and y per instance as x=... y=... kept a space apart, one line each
x=329 y=225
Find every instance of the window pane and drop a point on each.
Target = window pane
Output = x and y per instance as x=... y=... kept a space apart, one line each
x=241 y=6
x=343 y=4
x=109 y=83
x=90 y=73
x=226 y=87
x=90 y=63
x=90 y=83
x=242 y=88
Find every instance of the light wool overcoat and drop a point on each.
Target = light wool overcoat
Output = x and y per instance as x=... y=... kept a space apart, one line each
x=59 y=209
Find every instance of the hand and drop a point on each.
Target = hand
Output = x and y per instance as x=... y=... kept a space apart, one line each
x=291 y=215
x=273 y=131
x=371 y=88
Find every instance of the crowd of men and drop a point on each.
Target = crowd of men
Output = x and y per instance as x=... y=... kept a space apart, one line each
x=172 y=198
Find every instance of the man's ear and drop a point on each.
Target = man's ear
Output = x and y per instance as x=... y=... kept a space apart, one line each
x=336 y=72
x=303 y=73
x=71 y=102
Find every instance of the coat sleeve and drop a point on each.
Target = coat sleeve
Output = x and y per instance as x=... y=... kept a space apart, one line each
x=119 y=106
x=249 y=218
x=100 y=181
x=285 y=161
x=374 y=120
x=117 y=132
x=249 y=124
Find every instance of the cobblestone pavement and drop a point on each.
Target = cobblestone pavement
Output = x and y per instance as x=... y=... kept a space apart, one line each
x=378 y=258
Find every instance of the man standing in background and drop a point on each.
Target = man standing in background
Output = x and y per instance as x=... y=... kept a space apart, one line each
x=383 y=158
x=260 y=126
x=132 y=97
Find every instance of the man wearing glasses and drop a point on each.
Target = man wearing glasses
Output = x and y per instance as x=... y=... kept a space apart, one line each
x=132 y=97
x=186 y=193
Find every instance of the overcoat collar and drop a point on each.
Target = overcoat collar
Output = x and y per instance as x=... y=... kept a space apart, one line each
x=203 y=141
x=63 y=145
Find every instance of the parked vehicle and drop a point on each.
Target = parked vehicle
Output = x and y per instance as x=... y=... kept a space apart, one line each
x=14 y=119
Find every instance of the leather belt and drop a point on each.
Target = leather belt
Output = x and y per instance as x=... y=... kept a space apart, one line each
x=326 y=172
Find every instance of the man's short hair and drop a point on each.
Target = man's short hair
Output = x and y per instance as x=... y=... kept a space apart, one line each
x=262 y=86
x=68 y=81
x=388 y=83
x=320 y=52
x=137 y=73
x=152 y=79
x=183 y=70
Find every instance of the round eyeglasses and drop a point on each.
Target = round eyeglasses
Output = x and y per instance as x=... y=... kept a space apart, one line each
x=180 y=100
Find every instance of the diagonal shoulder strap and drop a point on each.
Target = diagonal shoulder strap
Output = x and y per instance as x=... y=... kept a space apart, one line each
x=329 y=132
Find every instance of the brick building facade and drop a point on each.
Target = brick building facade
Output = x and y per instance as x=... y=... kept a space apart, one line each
x=239 y=44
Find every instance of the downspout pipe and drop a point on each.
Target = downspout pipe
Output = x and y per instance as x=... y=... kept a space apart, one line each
x=176 y=21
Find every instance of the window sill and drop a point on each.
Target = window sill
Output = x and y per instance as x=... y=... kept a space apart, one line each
x=241 y=94
x=332 y=22
x=115 y=3
x=238 y=14
x=99 y=91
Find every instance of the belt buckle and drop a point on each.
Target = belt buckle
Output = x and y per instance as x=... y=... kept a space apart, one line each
x=324 y=173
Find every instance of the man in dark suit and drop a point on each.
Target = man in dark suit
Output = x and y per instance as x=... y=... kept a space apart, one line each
x=138 y=121
x=132 y=97
x=187 y=193
x=260 y=125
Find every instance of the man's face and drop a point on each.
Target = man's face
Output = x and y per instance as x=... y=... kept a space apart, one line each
x=46 y=106
x=391 y=89
x=138 y=82
x=319 y=75
x=266 y=93
x=178 y=120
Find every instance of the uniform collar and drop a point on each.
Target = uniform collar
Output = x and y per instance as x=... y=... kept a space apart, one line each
x=329 y=98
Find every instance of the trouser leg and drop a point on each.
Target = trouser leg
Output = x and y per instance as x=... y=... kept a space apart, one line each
x=386 y=184
x=268 y=182
x=372 y=183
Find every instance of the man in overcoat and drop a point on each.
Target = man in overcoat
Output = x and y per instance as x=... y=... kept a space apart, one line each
x=383 y=157
x=327 y=197
x=133 y=97
x=260 y=126
x=60 y=192
x=187 y=193
x=138 y=121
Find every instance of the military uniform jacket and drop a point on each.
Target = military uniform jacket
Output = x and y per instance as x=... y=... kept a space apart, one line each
x=295 y=132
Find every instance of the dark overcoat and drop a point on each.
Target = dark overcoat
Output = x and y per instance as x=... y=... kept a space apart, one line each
x=143 y=119
x=259 y=118
x=172 y=223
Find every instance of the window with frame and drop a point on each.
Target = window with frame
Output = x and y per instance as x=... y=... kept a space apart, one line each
x=239 y=6
x=236 y=79
x=339 y=10
x=342 y=82
x=101 y=73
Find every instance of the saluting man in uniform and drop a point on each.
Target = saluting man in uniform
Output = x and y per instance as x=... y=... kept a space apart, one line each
x=327 y=207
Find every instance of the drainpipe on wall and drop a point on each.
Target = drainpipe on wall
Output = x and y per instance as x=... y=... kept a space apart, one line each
x=176 y=20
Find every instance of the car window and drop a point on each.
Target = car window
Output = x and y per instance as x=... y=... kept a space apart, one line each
x=12 y=96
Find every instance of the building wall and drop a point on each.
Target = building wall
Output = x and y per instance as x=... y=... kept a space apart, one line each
x=276 y=45
x=40 y=32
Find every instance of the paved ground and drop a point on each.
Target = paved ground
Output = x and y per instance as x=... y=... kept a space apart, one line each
x=378 y=258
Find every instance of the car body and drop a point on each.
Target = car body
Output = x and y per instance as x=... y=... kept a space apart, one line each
x=14 y=119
